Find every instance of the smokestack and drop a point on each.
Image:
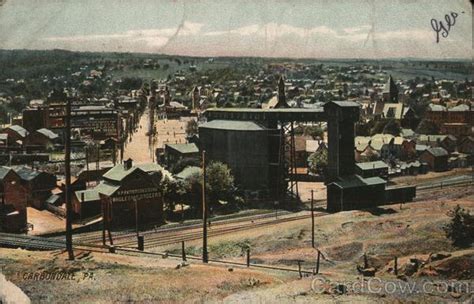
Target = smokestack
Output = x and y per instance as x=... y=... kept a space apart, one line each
x=127 y=165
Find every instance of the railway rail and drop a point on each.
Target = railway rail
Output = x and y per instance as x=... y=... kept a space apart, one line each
x=173 y=235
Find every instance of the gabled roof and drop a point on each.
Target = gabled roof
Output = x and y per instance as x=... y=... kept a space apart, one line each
x=26 y=173
x=353 y=181
x=154 y=167
x=118 y=173
x=89 y=195
x=19 y=130
x=106 y=188
x=407 y=133
x=184 y=148
x=4 y=171
x=48 y=133
x=437 y=151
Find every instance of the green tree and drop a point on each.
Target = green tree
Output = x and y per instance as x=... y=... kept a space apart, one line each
x=172 y=192
x=318 y=162
x=219 y=184
x=314 y=132
x=219 y=181
x=192 y=128
x=460 y=229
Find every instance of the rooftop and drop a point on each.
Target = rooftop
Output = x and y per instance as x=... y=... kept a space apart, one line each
x=233 y=125
x=372 y=165
x=48 y=133
x=19 y=129
x=438 y=151
x=354 y=181
x=184 y=148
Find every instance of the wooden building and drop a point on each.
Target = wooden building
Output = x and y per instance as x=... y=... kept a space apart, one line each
x=41 y=139
x=128 y=191
x=176 y=152
x=13 y=215
x=15 y=135
x=38 y=185
x=372 y=169
x=436 y=158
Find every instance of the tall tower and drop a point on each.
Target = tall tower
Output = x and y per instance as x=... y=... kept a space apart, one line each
x=390 y=92
x=341 y=117
x=281 y=94
x=166 y=97
x=195 y=98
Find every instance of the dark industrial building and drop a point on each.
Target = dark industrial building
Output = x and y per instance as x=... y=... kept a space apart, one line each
x=246 y=147
x=355 y=192
x=259 y=147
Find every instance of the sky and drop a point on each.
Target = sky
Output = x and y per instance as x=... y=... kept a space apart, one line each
x=261 y=28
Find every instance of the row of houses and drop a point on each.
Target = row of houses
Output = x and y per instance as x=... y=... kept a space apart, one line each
x=16 y=136
x=386 y=146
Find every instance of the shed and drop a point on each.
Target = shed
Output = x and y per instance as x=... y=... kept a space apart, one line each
x=355 y=192
x=176 y=152
x=86 y=203
x=371 y=169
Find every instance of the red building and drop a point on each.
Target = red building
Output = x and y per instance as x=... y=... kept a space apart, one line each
x=13 y=215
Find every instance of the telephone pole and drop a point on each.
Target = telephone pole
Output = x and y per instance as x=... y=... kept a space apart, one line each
x=204 y=210
x=312 y=219
x=67 y=158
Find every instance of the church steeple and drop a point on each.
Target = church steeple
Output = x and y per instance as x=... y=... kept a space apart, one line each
x=281 y=94
x=390 y=91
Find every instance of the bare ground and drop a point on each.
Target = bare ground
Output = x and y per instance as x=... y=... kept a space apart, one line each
x=410 y=232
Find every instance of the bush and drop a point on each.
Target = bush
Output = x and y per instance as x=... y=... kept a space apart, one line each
x=460 y=230
x=318 y=162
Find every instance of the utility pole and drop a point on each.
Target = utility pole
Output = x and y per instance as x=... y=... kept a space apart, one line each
x=312 y=219
x=204 y=210
x=67 y=158
x=87 y=164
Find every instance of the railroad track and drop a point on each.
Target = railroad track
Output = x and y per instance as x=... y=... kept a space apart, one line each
x=173 y=235
x=42 y=243
x=95 y=237
x=157 y=240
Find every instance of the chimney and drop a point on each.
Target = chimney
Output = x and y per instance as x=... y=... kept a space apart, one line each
x=127 y=165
